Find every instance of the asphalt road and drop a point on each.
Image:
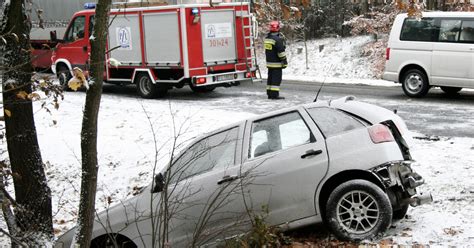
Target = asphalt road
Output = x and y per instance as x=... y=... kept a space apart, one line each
x=437 y=114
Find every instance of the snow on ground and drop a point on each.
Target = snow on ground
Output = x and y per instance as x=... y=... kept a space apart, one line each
x=127 y=148
x=339 y=61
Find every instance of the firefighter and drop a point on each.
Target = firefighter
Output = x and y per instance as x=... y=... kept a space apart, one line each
x=276 y=60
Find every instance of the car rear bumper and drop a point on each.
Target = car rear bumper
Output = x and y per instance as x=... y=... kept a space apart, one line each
x=401 y=181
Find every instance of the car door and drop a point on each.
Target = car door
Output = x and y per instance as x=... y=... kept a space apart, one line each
x=284 y=159
x=452 y=59
x=198 y=196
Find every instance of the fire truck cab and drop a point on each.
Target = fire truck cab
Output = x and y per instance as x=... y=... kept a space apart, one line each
x=165 y=46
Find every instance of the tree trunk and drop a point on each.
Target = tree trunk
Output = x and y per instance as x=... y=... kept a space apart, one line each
x=364 y=6
x=33 y=196
x=89 y=127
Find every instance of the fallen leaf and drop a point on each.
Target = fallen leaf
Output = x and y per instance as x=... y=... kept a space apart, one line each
x=34 y=96
x=22 y=95
x=74 y=83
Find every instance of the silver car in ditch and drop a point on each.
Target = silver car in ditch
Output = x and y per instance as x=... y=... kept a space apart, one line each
x=343 y=162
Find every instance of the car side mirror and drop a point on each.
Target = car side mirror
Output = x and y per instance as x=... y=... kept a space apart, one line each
x=53 y=36
x=159 y=183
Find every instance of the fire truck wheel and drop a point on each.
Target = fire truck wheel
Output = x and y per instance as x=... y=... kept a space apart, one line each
x=64 y=75
x=203 y=89
x=145 y=87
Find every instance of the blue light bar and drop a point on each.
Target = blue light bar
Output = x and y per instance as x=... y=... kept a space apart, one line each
x=89 y=5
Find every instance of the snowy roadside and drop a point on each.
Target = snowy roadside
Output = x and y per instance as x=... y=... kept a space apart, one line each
x=127 y=149
x=126 y=157
x=339 y=61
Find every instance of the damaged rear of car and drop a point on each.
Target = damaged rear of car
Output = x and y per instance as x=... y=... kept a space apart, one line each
x=370 y=180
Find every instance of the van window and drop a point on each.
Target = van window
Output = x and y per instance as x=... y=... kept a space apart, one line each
x=467 y=32
x=76 y=29
x=449 y=30
x=418 y=30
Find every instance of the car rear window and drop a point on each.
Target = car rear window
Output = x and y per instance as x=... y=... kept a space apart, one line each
x=332 y=121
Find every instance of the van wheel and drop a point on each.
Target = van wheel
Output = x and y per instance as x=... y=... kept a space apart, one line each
x=145 y=87
x=358 y=210
x=64 y=75
x=415 y=83
x=450 y=90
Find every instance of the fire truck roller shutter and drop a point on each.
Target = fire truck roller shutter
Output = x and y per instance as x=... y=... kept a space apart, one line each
x=162 y=40
x=218 y=36
x=125 y=32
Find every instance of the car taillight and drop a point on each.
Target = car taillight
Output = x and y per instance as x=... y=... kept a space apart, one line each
x=380 y=133
x=201 y=81
x=387 y=53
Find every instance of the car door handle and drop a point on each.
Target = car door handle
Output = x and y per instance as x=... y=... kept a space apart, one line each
x=311 y=153
x=226 y=179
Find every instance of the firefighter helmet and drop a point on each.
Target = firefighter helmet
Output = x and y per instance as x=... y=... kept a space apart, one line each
x=274 y=26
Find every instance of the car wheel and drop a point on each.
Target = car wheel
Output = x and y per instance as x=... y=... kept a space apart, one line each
x=203 y=89
x=64 y=75
x=145 y=87
x=415 y=83
x=358 y=210
x=106 y=242
x=400 y=213
x=450 y=90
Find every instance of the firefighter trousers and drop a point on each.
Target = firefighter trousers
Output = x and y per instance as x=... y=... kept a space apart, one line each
x=273 y=82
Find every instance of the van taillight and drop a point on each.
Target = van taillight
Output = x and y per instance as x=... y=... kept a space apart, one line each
x=387 y=53
x=380 y=133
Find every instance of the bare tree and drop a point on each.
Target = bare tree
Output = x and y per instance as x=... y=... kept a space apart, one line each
x=89 y=126
x=32 y=220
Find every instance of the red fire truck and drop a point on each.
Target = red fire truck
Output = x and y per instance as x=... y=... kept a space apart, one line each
x=166 y=46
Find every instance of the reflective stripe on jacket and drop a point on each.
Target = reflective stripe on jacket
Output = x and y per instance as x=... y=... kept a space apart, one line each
x=275 y=51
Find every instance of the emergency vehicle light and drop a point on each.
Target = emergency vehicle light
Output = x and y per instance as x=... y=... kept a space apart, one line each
x=89 y=6
x=195 y=11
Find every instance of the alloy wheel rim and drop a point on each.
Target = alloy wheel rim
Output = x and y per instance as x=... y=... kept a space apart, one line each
x=357 y=212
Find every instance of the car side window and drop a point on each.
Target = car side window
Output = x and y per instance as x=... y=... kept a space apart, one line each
x=467 y=32
x=418 y=30
x=76 y=30
x=278 y=133
x=215 y=151
x=449 y=30
x=332 y=121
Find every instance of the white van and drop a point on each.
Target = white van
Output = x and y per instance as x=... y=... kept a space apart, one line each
x=437 y=50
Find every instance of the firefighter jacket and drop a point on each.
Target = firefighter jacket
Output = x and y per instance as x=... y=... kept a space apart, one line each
x=275 y=51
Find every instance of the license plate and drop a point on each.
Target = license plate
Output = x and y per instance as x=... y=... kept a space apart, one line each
x=225 y=77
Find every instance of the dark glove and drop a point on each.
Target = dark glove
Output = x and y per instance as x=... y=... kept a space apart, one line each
x=284 y=63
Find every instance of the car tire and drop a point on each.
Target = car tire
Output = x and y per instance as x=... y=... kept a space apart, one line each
x=415 y=83
x=358 y=210
x=145 y=86
x=450 y=90
x=64 y=75
x=203 y=89
x=400 y=213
